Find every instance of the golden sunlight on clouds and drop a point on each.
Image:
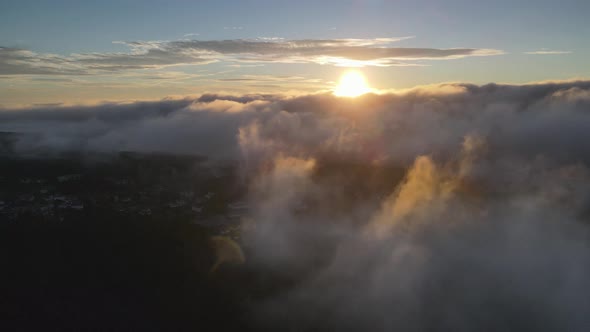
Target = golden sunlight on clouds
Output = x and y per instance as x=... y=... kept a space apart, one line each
x=352 y=84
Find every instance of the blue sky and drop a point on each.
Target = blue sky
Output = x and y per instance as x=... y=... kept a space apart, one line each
x=531 y=41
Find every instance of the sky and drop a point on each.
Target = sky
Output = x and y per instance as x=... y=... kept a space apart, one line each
x=90 y=51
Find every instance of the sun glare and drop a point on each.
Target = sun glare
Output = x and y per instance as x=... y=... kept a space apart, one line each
x=352 y=84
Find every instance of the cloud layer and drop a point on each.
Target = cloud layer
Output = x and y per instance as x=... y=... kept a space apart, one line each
x=158 y=54
x=447 y=207
x=518 y=120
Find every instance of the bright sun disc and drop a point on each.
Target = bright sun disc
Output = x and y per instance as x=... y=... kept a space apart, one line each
x=352 y=84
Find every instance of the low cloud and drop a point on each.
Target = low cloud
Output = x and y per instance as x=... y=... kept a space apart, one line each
x=446 y=250
x=519 y=120
x=447 y=207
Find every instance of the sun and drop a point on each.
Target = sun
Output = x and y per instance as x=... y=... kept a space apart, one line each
x=352 y=84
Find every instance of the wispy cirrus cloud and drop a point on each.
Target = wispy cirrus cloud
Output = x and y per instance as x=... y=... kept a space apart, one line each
x=158 y=54
x=15 y=61
x=547 y=52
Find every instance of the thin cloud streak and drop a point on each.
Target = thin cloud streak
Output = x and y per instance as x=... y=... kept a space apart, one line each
x=548 y=52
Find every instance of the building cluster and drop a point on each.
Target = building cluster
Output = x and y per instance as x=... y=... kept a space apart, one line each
x=69 y=194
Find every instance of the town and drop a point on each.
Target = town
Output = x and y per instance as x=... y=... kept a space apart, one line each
x=126 y=185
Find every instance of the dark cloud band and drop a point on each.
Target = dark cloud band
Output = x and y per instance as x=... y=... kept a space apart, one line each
x=145 y=55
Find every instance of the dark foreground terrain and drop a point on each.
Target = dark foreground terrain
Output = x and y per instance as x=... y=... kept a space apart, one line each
x=91 y=242
x=114 y=244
